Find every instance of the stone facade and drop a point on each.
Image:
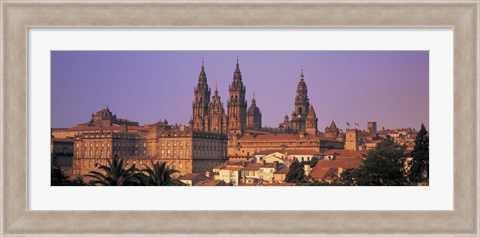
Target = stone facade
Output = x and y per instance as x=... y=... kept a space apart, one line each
x=183 y=149
x=237 y=104
x=254 y=116
x=352 y=139
x=211 y=137
x=332 y=132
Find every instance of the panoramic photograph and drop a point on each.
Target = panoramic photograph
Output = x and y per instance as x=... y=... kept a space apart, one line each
x=239 y=118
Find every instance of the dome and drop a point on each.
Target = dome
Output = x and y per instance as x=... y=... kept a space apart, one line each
x=253 y=109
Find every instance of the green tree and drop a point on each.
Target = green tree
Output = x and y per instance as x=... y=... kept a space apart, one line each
x=160 y=175
x=382 y=166
x=116 y=174
x=296 y=174
x=313 y=162
x=57 y=178
x=418 y=167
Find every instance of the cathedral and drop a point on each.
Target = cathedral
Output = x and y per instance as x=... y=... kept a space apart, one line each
x=243 y=124
x=209 y=114
x=213 y=135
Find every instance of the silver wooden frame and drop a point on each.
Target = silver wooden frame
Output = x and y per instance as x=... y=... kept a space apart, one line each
x=17 y=16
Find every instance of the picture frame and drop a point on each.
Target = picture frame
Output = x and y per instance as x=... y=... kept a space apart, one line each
x=18 y=16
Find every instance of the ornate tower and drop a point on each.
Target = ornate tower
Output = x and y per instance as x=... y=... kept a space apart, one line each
x=332 y=131
x=302 y=105
x=254 y=116
x=311 y=122
x=216 y=114
x=237 y=105
x=201 y=101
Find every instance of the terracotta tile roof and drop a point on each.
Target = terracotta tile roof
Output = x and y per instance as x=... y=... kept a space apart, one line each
x=252 y=167
x=345 y=153
x=95 y=128
x=190 y=176
x=322 y=172
x=268 y=152
x=345 y=163
x=105 y=128
x=62 y=139
x=233 y=168
x=281 y=136
x=282 y=170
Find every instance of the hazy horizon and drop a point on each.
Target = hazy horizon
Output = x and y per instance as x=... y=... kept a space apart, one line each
x=389 y=87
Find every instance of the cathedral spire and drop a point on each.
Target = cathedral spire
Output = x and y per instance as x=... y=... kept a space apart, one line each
x=237 y=75
x=216 y=90
x=202 y=78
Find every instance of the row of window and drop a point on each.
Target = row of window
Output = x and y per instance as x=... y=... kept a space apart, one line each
x=174 y=153
x=175 y=143
x=108 y=144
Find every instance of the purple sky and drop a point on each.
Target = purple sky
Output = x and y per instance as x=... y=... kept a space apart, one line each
x=390 y=87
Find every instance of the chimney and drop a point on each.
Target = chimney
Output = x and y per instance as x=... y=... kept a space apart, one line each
x=207 y=173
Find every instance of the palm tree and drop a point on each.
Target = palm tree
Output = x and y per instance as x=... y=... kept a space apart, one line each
x=116 y=174
x=160 y=175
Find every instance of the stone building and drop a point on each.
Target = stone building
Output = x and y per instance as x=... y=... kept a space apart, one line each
x=216 y=115
x=302 y=105
x=237 y=105
x=372 y=127
x=105 y=117
x=254 y=116
x=61 y=150
x=352 y=139
x=332 y=132
x=200 y=103
x=213 y=134
x=249 y=144
x=304 y=118
x=187 y=150
x=311 y=122
x=183 y=149
x=94 y=148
